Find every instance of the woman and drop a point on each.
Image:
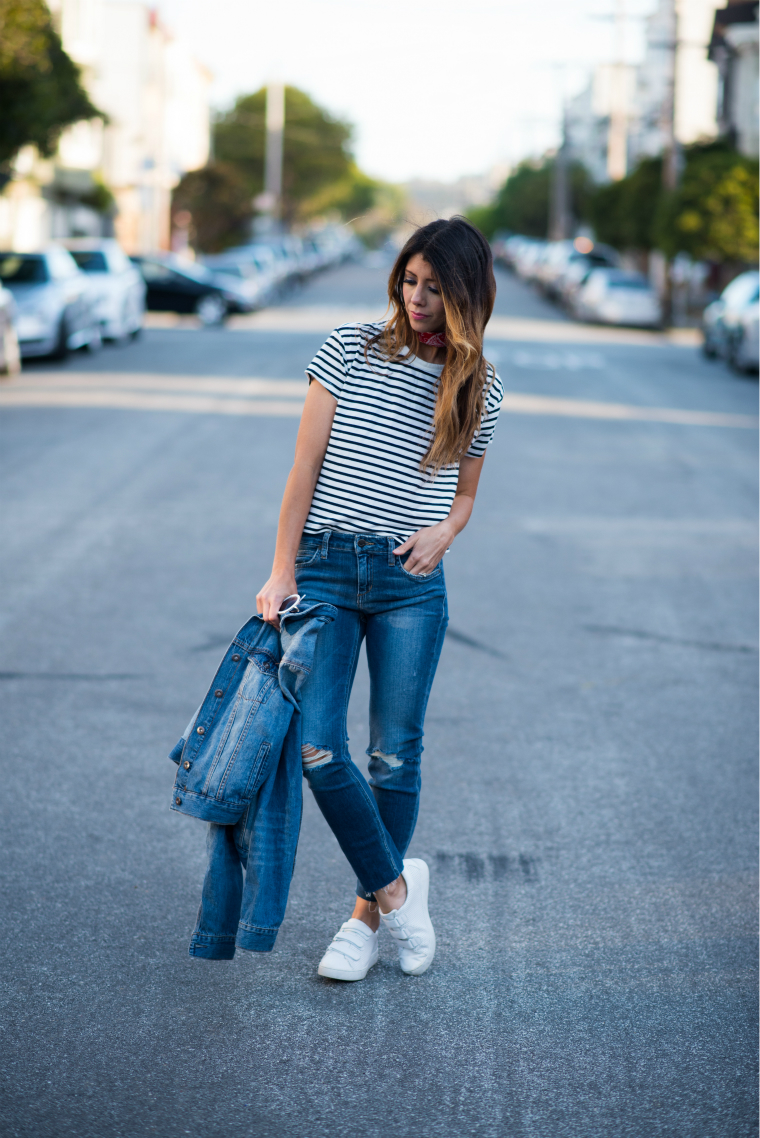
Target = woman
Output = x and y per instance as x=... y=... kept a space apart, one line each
x=390 y=448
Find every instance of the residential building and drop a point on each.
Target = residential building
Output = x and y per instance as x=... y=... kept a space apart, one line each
x=626 y=112
x=156 y=96
x=734 y=50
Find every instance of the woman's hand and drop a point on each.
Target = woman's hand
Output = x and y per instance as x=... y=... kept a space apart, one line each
x=269 y=600
x=427 y=547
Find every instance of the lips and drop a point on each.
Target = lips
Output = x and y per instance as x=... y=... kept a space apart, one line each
x=419 y=315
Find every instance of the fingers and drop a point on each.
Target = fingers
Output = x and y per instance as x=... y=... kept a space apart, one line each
x=268 y=605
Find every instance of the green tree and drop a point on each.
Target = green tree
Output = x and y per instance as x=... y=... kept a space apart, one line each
x=316 y=153
x=522 y=203
x=40 y=87
x=712 y=215
x=623 y=213
x=219 y=202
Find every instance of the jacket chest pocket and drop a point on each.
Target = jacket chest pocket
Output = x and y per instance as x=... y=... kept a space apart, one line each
x=259 y=677
x=233 y=749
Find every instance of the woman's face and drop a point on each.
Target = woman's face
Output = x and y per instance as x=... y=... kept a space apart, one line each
x=424 y=303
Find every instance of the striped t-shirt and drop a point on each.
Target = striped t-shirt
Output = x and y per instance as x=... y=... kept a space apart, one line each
x=371 y=480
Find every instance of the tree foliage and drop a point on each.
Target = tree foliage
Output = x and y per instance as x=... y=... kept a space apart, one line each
x=316 y=154
x=623 y=213
x=219 y=202
x=40 y=87
x=712 y=215
x=522 y=204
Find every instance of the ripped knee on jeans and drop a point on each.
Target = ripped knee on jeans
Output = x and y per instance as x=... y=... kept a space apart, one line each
x=393 y=761
x=312 y=757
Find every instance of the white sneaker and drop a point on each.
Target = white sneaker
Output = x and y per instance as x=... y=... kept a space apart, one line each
x=352 y=953
x=410 y=926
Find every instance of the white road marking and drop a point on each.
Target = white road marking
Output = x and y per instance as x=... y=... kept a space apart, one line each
x=324 y=318
x=226 y=395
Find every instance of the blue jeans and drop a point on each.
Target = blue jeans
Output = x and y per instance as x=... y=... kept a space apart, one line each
x=403 y=618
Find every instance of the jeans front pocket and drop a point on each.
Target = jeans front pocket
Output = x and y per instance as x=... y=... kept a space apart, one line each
x=307 y=552
x=421 y=576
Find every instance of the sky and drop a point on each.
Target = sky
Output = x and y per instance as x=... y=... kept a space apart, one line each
x=436 y=89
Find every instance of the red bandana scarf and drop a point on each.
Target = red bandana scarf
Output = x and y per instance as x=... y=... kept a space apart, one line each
x=435 y=339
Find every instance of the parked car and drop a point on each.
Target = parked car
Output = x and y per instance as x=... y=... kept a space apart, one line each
x=54 y=302
x=578 y=268
x=118 y=286
x=744 y=347
x=253 y=268
x=613 y=296
x=721 y=320
x=10 y=355
x=183 y=286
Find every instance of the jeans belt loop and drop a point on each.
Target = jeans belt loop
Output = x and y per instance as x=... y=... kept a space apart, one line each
x=391 y=545
x=325 y=543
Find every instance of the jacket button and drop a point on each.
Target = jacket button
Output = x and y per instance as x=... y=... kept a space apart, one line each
x=187 y=765
x=218 y=693
x=235 y=659
x=201 y=730
x=178 y=801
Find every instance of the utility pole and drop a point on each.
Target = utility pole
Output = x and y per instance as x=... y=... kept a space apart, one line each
x=559 y=215
x=671 y=157
x=271 y=199
x=617 y=138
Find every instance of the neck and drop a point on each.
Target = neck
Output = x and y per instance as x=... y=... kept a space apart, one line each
x=430 y=354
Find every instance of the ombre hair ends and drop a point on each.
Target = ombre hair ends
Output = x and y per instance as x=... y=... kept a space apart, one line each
x=461 y=260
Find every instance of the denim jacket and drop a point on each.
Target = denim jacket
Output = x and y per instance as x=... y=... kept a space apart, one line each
x=239 y=768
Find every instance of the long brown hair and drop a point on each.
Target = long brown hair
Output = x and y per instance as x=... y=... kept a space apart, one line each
x=461 y=260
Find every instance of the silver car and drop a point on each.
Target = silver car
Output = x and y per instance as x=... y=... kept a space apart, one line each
x=613 y=296
x=721 y=320
x=744 y=348
x=55 y=313
x=118 y=288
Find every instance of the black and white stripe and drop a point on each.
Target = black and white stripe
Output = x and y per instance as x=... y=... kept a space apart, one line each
x=371 y=480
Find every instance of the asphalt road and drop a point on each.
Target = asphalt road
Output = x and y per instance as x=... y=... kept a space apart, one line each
x=589 y=788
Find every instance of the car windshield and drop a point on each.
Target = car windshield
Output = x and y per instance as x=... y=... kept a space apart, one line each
x=22 y=268
x=742 y=290
x=90 y=260
x=195 y=272
x=628 y=282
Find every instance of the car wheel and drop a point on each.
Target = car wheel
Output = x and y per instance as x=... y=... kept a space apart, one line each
x=61 y=349
x=211 y=309
x=95 y=342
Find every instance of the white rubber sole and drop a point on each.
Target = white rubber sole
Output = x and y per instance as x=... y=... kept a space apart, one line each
x=346 y=973
x=420 y=968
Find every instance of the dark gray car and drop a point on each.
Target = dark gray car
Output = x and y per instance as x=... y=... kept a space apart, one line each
x=55 y=304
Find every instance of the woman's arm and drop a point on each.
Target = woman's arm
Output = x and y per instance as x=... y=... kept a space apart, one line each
x=428 y=545
x=311 y=444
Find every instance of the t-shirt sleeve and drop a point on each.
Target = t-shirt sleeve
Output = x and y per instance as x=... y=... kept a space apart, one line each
x=330 y=365
x=488 y=422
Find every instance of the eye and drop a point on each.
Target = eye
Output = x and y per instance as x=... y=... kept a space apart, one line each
x=409 y=280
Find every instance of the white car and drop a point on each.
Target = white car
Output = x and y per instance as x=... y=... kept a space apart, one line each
x=744 y=351
x=613 y=296
x=55 y=313
x=117 y=285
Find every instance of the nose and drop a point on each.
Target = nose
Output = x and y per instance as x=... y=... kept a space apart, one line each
x=418 y=296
